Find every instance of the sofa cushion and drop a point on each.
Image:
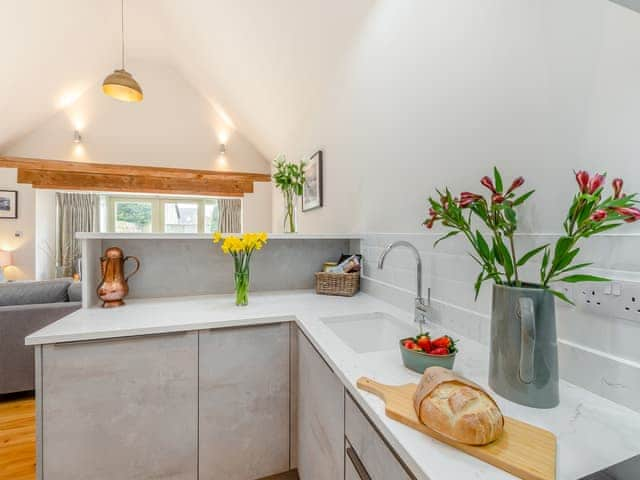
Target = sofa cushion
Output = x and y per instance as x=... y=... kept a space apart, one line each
x=31 y=293
x=75 y=292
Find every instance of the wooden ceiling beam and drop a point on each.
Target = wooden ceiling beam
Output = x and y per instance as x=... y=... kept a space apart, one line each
x=35 y=164
x=55 y=180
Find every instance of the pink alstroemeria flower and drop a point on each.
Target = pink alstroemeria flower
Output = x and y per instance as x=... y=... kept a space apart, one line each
x=595 y=182
x=487 y=182
x=632 y=213
x=516 y=183
x=598 y=215
x=497 y=198
x=468 y=198
x=617 y=188
x=582 y=177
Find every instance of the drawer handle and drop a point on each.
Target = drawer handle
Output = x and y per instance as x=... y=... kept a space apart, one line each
x=357 y=464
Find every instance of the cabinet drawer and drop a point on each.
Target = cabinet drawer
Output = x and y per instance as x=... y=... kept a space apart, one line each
x=379 y=461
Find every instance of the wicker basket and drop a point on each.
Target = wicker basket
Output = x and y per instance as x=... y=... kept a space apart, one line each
x=343 y=284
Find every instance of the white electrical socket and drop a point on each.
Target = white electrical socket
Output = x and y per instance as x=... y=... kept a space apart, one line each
x=613 y=299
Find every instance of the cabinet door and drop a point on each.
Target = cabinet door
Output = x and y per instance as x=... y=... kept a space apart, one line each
x=371 y=451
x=244 y=402
x=320 y=438
x=124 y=408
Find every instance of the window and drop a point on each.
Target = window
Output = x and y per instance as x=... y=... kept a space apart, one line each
x=211 y=217
x=133 y=216
x=147 y=214
x=180 y=217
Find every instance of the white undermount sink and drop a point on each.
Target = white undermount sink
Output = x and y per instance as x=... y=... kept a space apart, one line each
x=369 y=332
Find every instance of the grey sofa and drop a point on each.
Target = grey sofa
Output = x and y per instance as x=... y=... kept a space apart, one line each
x=24 y=308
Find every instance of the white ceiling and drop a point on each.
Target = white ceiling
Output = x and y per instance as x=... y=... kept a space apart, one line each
x=265 y=63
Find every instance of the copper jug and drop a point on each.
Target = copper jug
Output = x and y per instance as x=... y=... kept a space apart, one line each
x=113 y=287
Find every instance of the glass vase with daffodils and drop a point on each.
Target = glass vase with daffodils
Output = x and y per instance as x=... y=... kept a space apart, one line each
x=241 y=248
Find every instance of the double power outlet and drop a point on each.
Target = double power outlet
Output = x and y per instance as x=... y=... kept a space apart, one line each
x=619 y=299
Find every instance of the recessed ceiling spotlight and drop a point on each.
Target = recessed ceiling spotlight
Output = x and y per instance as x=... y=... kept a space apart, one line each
x=120 y=84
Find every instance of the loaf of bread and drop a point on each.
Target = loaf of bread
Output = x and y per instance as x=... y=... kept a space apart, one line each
x=457 y=408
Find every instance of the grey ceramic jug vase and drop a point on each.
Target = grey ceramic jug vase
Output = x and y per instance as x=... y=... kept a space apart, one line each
x=523 y=365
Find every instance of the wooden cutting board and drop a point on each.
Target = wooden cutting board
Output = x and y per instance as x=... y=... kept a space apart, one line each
x=523 y=450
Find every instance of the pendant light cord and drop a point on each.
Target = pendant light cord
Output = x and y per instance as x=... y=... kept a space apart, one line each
x=122 y=31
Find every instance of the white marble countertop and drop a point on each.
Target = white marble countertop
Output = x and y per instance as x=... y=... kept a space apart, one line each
x=592 y=432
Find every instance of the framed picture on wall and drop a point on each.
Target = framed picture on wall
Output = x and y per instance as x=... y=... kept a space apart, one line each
x=312 y=190
x=8 y=204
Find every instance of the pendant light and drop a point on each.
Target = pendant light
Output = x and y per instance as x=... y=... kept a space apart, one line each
x=120 y=84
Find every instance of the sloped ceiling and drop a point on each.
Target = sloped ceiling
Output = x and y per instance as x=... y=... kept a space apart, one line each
x=263 y=64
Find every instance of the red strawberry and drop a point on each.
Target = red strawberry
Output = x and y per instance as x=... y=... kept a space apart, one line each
x=409 y=344
x=424 y=342
x=440 y=351
x=444 y=342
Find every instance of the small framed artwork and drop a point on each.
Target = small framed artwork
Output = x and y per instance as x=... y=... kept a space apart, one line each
x=312 y=190
x=8 y=204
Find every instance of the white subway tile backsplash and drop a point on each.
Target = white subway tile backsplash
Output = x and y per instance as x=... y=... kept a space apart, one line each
x=599 y=353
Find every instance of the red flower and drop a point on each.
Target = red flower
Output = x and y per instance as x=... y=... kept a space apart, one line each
x=487 y=182
x=468 y=198
x=516 y=183
x=617 y=188
x=497 y=198
x=595 y=182
x=582 y=177
x=632 y=213
x=598 y=215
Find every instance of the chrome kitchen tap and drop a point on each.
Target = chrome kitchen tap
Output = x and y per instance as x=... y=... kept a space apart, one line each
x=422 y=308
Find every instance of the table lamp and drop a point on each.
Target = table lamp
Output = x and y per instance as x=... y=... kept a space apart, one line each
x=6 y=259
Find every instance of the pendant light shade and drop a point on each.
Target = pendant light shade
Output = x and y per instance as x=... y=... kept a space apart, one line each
x=120 y=84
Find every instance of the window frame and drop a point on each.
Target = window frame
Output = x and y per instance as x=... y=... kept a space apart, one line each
x=158 y=205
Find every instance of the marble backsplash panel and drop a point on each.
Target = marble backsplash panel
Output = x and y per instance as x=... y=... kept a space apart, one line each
x=597 y=352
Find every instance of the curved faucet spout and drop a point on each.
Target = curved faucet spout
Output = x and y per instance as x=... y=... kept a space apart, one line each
x=402 y=243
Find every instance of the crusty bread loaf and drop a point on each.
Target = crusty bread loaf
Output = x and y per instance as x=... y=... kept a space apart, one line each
x=457 y=408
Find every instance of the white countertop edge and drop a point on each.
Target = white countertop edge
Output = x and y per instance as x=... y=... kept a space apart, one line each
x=32 y=340
x=207 y=236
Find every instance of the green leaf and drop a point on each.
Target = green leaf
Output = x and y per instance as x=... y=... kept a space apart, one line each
x=566 y=259
x=562 y=246
x=561 y=296
x=575 y=267
x=543 y=267
x=521 y=199
x=498 y=179
x=530 y=254
x=510 y=214
x=478 y=284
x=505 y=256
x=483 y=247
x=444 y=237
x=583 y=278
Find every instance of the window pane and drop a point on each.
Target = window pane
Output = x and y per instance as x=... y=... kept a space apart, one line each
x=132 y=216
x=180 y=217
x=211 y=217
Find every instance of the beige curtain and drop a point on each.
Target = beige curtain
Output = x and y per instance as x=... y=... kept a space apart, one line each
x=230 y=215
x=77 y=212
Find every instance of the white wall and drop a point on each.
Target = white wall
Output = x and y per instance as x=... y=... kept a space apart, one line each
x=23 y=247
x=435 y=93
x=174 y=126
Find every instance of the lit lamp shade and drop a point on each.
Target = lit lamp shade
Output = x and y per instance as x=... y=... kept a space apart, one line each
x=6 y=258
x=122 y=86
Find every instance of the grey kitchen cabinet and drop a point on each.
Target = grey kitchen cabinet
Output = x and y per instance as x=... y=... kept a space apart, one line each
x=244 y=385
x=320 y=416
x=377 y=461
x=121 y=408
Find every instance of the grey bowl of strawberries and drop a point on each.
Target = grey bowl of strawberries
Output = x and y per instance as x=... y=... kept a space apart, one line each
x=421 y=352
